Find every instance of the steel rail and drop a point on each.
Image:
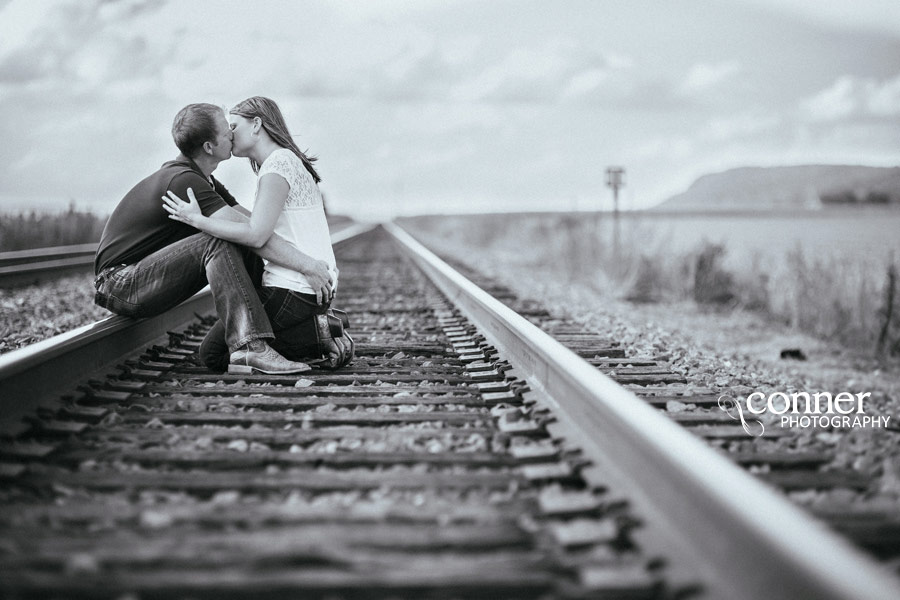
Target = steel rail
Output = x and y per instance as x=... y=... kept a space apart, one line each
x=750 y=541
x=40 y=372
x=15 y=257
x=25 y=267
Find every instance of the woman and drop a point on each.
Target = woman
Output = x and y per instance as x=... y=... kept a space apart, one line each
x=288 y=203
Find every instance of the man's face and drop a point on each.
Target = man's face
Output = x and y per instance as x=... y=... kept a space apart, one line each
x=222 y=143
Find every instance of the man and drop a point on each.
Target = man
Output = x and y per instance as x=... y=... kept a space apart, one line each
x=147 y=263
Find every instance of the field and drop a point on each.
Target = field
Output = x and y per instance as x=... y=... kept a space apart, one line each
x=831 y=274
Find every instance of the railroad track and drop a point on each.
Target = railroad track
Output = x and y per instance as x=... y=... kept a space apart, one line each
x=27 y=267
x=463 y=454
x=874 y=529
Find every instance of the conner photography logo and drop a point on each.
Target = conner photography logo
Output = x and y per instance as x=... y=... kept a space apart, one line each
x=802 y=409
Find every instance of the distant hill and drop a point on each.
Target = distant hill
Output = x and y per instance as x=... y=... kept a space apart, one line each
x=790 y=188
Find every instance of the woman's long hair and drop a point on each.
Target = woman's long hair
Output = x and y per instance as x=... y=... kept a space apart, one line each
x=273 y=123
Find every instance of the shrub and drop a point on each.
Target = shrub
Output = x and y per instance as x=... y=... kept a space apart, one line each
x=648 y=284
x=712 y=284
x=889 y=334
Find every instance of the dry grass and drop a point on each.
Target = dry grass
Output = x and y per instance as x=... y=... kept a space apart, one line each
x=843 y=299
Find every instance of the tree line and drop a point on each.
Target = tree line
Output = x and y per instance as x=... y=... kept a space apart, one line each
x=24 y=231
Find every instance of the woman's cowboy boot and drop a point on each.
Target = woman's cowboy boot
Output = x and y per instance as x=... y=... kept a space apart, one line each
x=335 y=343
x=345 y=320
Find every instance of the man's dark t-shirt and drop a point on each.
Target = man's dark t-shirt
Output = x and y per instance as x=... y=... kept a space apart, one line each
x=139 y=226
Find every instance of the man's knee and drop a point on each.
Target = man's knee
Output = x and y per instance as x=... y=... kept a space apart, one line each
x=253 y=264
x=212 y=241
x=219 y=247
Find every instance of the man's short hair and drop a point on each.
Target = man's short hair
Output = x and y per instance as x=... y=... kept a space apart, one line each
x=194 y=125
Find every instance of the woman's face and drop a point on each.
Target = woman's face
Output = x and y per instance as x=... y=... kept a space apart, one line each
x=243 y=138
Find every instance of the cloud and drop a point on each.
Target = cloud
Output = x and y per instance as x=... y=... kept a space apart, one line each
x=744 y=125
x=422 y=102
x=852 y=97
x=79 y=44
x=460 y=69
x=622 y=83
x=119 y=11
x=419 y=70
x=24 y=65
x=704 y=77
x=677 y=147
x=558 y=73
x=585 y=83
x=874 y=15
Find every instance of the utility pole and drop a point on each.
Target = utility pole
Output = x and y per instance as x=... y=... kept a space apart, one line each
x=615 y=178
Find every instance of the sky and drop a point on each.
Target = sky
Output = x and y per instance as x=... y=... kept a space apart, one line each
x=427 y=106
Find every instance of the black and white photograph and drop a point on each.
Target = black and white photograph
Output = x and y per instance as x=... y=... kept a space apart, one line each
x=450 y=299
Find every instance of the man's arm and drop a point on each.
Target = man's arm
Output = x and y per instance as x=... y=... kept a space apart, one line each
x=280 y=252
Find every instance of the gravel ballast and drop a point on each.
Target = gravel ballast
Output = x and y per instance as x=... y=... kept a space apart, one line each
x=730 y=351
x=721 y=350
x=37 y=312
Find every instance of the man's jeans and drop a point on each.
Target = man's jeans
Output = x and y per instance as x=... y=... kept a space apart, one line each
x=292 y=316
x=173 y=274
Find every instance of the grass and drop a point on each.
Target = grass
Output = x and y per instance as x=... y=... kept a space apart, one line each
x=848 y=297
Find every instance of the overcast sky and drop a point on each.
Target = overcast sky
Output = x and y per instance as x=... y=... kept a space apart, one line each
x=446 y=106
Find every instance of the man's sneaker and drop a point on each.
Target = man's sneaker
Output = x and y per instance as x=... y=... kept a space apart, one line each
x=265 y=360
